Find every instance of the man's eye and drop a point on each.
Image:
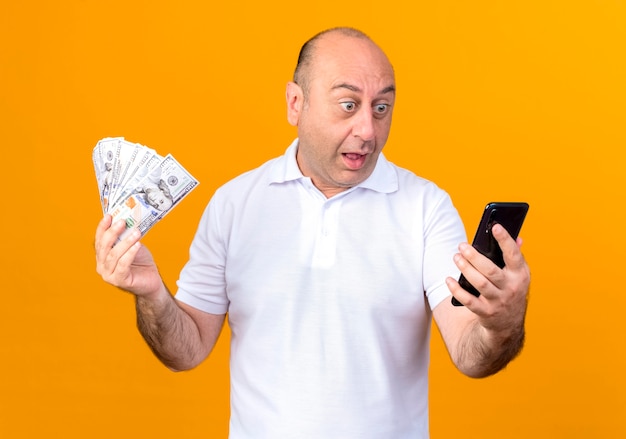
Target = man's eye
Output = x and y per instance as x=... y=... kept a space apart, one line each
x=381 y=108
x=348 y=106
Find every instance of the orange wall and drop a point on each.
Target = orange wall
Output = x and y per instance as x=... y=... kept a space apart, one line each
x=497 y=101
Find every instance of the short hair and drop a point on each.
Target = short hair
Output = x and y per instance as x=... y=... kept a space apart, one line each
x=305 y=57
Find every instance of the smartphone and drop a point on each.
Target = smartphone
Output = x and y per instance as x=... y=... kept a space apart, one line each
x=511 y=217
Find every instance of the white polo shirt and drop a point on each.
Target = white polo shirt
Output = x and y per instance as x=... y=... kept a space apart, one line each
x=328 y=300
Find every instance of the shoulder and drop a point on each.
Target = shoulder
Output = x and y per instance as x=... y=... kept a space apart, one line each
x=255 y=178
x=412 y=186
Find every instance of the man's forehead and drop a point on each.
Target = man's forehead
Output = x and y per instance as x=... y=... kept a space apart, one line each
x=348 y=62
x=389 y=89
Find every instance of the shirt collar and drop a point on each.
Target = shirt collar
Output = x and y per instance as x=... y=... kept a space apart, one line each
x=384 y=179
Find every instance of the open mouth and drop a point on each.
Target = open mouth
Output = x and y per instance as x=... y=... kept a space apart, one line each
x=354 y=160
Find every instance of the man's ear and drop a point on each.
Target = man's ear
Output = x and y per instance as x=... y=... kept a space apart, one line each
x=295 y=101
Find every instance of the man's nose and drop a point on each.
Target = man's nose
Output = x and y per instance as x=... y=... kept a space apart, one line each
x=364 y=124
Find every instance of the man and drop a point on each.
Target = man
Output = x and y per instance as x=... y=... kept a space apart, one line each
x=330 y=262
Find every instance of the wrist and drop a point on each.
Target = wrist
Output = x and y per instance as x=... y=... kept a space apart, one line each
x=155 y=299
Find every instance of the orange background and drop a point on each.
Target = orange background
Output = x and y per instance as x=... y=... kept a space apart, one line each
x=496 y=101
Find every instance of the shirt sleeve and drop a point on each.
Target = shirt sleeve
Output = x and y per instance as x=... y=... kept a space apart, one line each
x=202 y=282
x=443 y=233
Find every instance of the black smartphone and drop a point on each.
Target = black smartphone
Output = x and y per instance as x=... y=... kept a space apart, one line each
x=511 y=217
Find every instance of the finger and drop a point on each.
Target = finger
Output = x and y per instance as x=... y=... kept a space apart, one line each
x=131 y=246
x=470 y=301
x=106 y=236
x=511 y=252
x=476 y=264
x=117 y=264
x=477 y=269
x=103 y=226
x=111 y=248
x=101 y=246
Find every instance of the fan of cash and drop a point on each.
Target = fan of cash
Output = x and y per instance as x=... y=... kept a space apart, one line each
x=136 y=184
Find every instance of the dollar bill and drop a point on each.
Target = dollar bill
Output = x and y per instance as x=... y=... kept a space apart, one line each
x=154 y=196
x=146 y=162
x=104 y=163
x=136 y=184
x=125 y=155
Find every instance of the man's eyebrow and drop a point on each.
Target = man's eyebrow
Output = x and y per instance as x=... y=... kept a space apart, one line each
x=354 y=88
x=345 y=85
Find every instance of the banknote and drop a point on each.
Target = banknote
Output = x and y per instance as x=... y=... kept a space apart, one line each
x=125 y=155
x=104 y=164
x=138 y=185
x=147 y=161
x=118 y=163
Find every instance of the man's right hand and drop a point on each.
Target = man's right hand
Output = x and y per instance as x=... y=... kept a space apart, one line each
x=128 y=264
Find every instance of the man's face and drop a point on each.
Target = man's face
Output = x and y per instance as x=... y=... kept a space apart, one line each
x=344 y=121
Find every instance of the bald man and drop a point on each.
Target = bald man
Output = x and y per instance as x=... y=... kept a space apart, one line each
x=330 y=262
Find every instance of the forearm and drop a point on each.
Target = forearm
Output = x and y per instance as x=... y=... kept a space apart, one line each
x=170 y=332
x=481 y=352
